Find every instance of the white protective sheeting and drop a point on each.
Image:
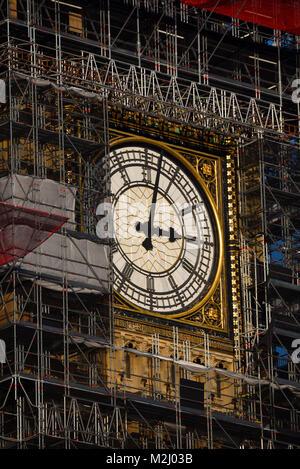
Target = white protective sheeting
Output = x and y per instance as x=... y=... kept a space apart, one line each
x=200 y=369
x=2 y=92
x=73 y=89
x=40 y=194
x=195 y=368
x=82 y=263
x=2 y=351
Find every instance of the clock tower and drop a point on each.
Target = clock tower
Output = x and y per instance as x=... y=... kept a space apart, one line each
x=149 y=225
x=174 y=251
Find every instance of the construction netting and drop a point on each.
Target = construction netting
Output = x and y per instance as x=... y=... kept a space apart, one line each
x=283 y=15
x=31 y=212
x=23 y=229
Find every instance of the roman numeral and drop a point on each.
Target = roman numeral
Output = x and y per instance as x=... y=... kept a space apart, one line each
x=127 y=271
x=123 y=172
x=175 y=288
x=114 y=247
x=150 y=284
x=124 y=176
x=199 y=278
x=172 y=282
x=147 y=175
x=187 y=266
x=207 y=245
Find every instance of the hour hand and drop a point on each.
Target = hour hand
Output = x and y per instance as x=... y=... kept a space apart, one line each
x=173 y=236
x=147 y=244
x=144 y=228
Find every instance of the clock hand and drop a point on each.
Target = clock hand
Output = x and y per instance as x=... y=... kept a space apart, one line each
x=171 y=234
x=174 y=235
x=147 y=243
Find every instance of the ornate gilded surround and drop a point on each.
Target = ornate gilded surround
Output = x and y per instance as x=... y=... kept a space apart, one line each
x=215 y=311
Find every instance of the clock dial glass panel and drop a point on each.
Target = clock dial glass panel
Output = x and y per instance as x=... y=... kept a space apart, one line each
x=165 y=250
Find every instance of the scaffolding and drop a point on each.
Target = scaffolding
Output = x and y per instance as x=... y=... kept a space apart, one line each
x=269 y=179
x=72 y=378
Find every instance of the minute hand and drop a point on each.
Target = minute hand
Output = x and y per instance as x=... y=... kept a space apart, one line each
x=147 y=243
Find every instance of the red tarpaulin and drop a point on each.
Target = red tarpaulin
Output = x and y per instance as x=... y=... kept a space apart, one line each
x=275 y=14
x=24 y=229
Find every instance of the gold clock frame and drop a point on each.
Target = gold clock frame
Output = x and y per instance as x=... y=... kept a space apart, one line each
x=176 y=152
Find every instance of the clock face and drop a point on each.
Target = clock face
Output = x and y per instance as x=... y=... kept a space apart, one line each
x=166 y=246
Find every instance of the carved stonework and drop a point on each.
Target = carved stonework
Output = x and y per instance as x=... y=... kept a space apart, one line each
x=211 y=314
x=206 y=169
